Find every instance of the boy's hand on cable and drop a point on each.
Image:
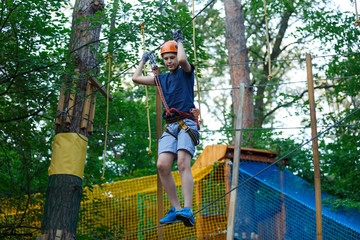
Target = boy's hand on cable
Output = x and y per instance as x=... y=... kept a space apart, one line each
x=146 y=56
x=177 y=35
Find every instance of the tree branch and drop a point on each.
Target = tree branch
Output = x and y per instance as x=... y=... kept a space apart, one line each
x=29 y=114
x=294 y=100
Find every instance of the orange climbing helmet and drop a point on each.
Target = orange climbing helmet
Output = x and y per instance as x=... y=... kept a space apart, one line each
x=169 y=46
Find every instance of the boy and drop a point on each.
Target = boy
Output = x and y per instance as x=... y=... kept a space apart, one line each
x=175 y=143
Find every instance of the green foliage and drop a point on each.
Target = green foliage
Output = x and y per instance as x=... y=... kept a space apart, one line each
x=340 y=160
x=339 y=147
x=34 y=41
x=35 y=38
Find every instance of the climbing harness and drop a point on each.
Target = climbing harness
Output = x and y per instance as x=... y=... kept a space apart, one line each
x=179 y=117
x=174 y=115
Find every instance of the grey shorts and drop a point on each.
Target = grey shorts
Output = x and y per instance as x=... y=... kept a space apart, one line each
x=168 y=143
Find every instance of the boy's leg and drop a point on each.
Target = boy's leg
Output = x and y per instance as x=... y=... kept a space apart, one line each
x=187 y=181
x=186 y=150
x=164 y=164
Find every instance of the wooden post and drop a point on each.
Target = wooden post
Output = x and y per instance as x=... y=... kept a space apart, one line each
x=227 y=178
x=92 y=112
x=236 y=164
x=160 y=198
x=86 y=108
x=315 y=148
x=60 y=104
x=72 y=96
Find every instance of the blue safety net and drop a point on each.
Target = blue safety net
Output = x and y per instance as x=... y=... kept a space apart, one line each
x=277 y=204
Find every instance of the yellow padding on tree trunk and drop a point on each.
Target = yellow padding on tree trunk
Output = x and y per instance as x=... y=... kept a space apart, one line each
x=69 y=153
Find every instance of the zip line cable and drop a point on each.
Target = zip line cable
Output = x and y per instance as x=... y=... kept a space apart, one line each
x=115 y=134
x=275 y=60
x=64 y=59
x=66 y=111
x=136 y=27
x=252 y=177
x=280 y=159
x=207 y=5
x=126 y=70
x=234 y=88
x=136 y=62
x=280 y=60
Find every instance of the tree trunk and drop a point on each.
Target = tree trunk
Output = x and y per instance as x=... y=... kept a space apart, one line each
x=62 y=205
x=63 y=195
x=83 y=48
x=238 y=59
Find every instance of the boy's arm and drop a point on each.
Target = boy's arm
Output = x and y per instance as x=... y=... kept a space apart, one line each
x=181 y=55
x=185 y=65
x=138 y=77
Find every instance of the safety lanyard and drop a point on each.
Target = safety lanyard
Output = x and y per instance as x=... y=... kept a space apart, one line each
x=154 y=68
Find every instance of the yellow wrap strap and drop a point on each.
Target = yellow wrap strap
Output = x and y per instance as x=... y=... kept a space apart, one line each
x=69 y=154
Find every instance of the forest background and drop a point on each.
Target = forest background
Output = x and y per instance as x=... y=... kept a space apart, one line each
x=34 y=49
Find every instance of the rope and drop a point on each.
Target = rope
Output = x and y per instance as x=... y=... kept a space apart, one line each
x=357 y=23
x=207 y=5
x=64 y=59
x=196 y=65
x=107 y=115
x=280 y=159
x=115 y=134
x=158 y=86
x=146 y=90
x=267 y=38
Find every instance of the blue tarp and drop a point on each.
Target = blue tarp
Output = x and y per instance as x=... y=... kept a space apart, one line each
x=274 y=191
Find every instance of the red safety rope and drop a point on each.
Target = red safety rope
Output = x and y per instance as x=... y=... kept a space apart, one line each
x=158 y=86
x=169 y=112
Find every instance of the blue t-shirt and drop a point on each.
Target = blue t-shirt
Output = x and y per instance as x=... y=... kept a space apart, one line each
x=178 y=89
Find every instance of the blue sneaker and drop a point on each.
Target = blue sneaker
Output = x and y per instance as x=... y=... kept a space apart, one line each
x=186 y=216
x=170 y=217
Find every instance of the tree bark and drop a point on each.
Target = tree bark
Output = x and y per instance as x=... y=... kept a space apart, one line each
x=62 y=205
x=82 y=64
x=238 y=59
x=63 y=195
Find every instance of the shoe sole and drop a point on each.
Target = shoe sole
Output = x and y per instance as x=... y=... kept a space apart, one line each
x=168 y=223
x=185 y=220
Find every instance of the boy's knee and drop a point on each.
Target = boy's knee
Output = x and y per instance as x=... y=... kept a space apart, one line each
x=183 y=164
x=163 y=167
x=160 y=166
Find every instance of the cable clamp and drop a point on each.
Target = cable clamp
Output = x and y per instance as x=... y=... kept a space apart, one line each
x=152 y=59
